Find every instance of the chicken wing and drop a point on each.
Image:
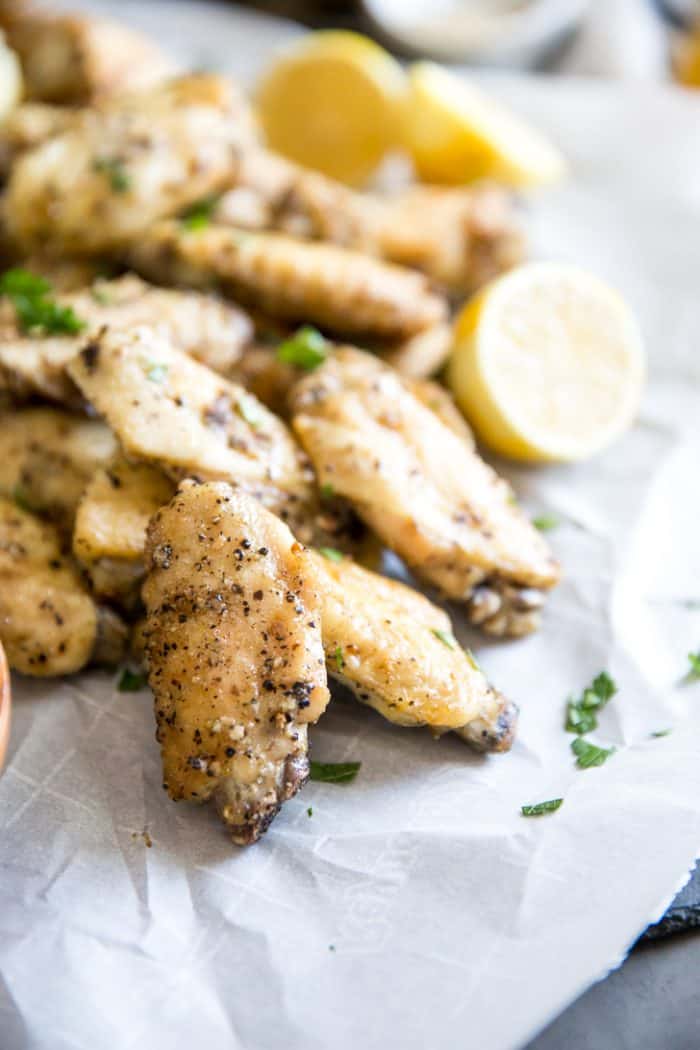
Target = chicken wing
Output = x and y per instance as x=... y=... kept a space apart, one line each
x=47 y=458
x=203 y=326
x=175 y=413
x=395 y=650
x=460 y=237
x=425 y=492
x=74 y=59
x=49 y=624
x=109 y=537
x=97 y=187
x=234 y=654
x=341 y=290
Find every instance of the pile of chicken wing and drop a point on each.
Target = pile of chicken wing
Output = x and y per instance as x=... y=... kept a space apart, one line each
x=173 y=487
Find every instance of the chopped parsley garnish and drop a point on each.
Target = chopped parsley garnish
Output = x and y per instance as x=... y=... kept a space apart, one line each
x=331 y=553
x=327 y=491
x=115 y=171
x=693 y=673
x=310 y=811
x=36 y=312
x=157 y=373
x=248 y=410
x=335 y=772
x=339 y=658
x=661 y=732
x=305 y=349
x=588 y=755
x=199 y=215
x=100 y=295
x=546 y=522
x=550 y=806
x=131 y=681
x=20 y=498
x=581 y=713
x=444 y=637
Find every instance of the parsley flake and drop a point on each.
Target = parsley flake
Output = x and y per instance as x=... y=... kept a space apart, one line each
x=305 y=349
x=539 y=808
x=248 y=410
x=661 y=732
x=199 y=215
x=444 y=637
x=581 y=713
x=339 y=658
x=331 y=553
x=588 y=755
x=36 y=312
x=327 y=491
x=546 y=522
x=157 y=373
x=21 y=498
x=693 y=673
x=131 y=681
x=115 y=171
x=310 y=811
x=335 y=772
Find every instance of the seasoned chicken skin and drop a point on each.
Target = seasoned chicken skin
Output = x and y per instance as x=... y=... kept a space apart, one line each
x=49 y=624
x=424 y=490
x=74 y=59
x=337 y=289
x=109 y=537
x=234 y=654
x=203 y=326
x=97 y=187
x=395 y=650
x=47 y=458
x=174 y=413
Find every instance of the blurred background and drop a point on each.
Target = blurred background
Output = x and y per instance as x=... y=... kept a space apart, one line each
x=629 y=39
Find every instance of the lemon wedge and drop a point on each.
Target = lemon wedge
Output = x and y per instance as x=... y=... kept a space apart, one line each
x=547 y=364
x=456 y=134
x=333 y=102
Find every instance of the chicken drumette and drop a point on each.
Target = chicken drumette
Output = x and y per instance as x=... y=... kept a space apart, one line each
x=234 y=654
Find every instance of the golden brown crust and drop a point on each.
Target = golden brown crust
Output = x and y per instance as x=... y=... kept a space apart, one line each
x=317 y=283
x=234 y=654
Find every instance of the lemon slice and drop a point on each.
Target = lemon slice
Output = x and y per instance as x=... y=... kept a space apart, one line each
x=547 y=364
x=456 y=134
x=334 y=102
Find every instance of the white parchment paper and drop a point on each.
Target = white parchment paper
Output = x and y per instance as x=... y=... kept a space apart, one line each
x=415 y=908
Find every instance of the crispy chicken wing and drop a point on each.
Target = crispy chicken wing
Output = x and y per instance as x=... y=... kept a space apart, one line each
x=98 y=186
x=460 y=237
x=203 y=326
x=425 y=492
x=109 y=537
x=337 y=289
x=75 y=59
x=175 y=413
x=49 y=624
x=395 y=650
x=234 y=654
x=47 y=458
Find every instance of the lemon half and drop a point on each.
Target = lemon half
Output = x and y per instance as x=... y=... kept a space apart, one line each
x=548 y=364
x=456 y=134
x=334 y=102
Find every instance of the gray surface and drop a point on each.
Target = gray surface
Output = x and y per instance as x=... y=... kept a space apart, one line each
x=651 y=1003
